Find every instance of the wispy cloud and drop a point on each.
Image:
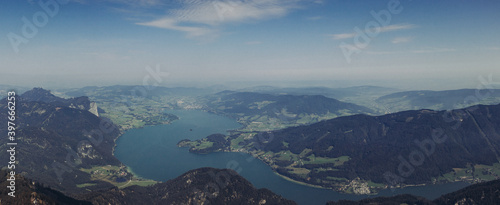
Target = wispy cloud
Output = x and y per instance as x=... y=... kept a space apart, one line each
x=434 y=50
x=402 y=40
x=396 y=27
x=138 y=3
x=343 y=36
x=314 y=18
x=130 y=3
x=419 y=51
x=201 y=18
x=382 y=29
x=167 y=23
x=253 y=42
x=382 y=52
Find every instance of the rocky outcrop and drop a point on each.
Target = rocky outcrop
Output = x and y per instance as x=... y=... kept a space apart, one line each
x=42 y=95
x=93 y=109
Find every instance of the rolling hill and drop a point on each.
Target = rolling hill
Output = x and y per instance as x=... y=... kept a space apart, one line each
x=438 y=100
x=265 y=111
x=360 y=95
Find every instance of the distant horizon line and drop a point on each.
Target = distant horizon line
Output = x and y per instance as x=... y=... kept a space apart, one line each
x=225 y=87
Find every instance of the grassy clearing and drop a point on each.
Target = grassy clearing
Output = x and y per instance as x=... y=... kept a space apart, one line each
x=287 y=156
x=101 y=169
x=476 y=173
x=110 y=173
x=235 y=142
x=323 y=160
x=198 y=144
x=337 y=179
x=373 y=184
x=204 y=145
x=305 y=152
x=85 y=185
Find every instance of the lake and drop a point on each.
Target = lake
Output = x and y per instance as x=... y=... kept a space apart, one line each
x=151 y=152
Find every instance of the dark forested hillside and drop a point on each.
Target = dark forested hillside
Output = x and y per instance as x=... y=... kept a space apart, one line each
x=395 y=200
x=42 y=95
x=410 y=147
x=482 y=193
x=31 y=192
x=199 y=186
x=57 y=141
x=362 y=153
x=487 y=193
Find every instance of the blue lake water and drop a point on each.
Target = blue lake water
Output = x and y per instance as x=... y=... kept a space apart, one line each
x=151 y=153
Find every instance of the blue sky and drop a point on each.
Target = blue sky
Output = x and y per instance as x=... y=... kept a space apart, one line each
x=423 y=45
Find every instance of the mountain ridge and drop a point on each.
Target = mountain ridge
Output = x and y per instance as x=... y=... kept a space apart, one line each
x=57 y=141
x=394 y=150
x=64 y=149
x=199 y=186
x=42 y=95
x=258 y=111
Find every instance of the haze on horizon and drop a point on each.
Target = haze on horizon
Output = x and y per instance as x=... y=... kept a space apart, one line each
x=420 y=45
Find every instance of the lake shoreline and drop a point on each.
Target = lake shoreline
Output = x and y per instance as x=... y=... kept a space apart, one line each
x=143 y=150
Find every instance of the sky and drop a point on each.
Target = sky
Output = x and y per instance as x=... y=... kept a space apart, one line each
x=407 y=44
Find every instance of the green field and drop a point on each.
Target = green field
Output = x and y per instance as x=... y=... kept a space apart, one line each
x=323 y=160
x=476 y=173
x=111 y=173
x=85 y=185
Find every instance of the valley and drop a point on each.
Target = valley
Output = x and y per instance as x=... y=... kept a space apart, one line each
x=249 y=102
x=260 y=114
x=298 y=143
